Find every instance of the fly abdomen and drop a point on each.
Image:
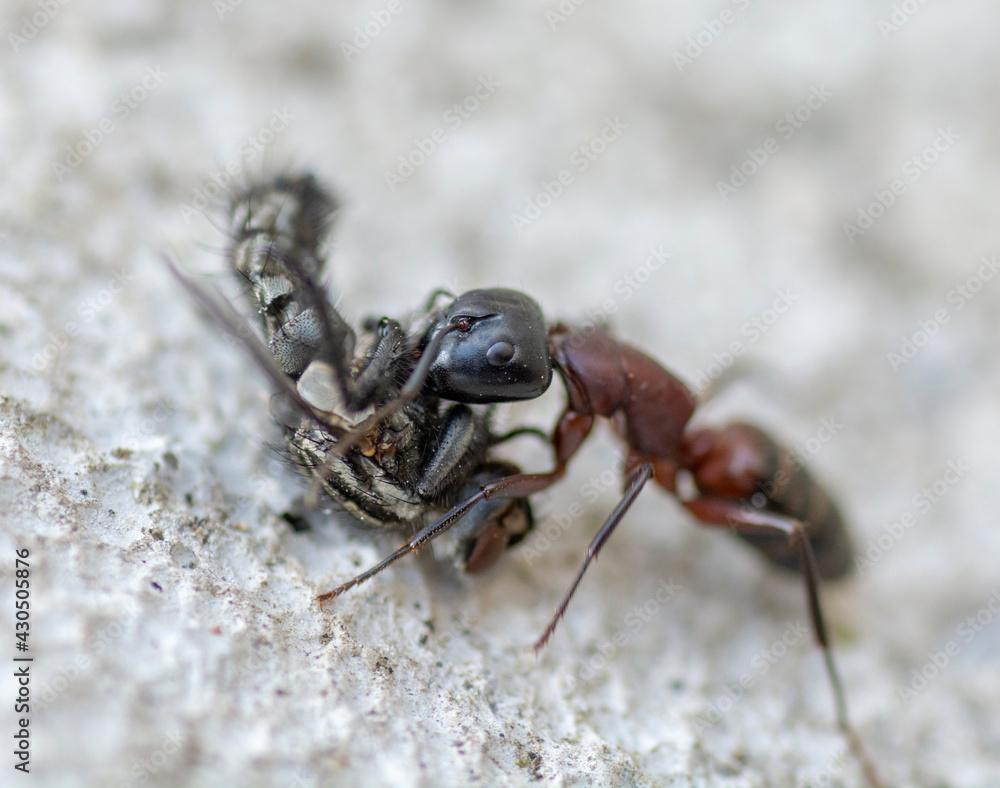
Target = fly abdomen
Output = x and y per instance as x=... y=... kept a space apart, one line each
x=277 y=227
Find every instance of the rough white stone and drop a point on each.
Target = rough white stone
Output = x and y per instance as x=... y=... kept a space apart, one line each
x=173 y=629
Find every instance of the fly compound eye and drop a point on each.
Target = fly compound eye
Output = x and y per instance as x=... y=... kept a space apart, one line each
x=500 y=354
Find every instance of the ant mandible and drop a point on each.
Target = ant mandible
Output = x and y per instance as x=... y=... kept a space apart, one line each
x=743 y=480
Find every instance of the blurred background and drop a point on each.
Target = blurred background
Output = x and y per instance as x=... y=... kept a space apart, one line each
x=792 y=201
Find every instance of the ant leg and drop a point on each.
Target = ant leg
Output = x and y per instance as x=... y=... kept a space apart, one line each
x=458 y=435
x=742 y=519
x=517 y=432
x=436 y=293
x=517 y=486
x=569 y=433
x=419 y=540
x=636 y=481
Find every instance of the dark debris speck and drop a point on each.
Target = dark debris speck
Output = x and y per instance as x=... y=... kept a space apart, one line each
x=297 y=522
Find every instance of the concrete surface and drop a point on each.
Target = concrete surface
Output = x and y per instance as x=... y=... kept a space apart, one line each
x=172 y=629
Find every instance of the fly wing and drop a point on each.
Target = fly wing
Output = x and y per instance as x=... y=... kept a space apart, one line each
x=236 y=327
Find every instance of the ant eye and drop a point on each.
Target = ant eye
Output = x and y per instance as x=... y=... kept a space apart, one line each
x=500 y=354
x=463 y=323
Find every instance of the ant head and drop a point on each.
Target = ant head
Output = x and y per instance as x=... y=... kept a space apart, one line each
x=496 y=349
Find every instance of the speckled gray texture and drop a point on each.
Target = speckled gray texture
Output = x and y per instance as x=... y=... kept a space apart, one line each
x=175 y=638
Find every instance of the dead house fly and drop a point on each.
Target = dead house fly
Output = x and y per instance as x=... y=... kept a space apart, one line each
x=400 y=434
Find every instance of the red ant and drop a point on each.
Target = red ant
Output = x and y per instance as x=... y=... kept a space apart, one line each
x=743 y=480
